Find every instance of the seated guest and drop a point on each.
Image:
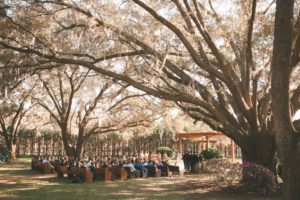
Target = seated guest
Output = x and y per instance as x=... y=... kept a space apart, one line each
x=46 y=161
x=82 y=164
x=148 y=164
x=92 y=167
x=34 y=162
x=104 y=164
x=155 y=165
x=110 y=164
x=165 y=158
x=114 y=163
x=132 y=169
x=140 y=165
x=154 y=171
x=159 y=163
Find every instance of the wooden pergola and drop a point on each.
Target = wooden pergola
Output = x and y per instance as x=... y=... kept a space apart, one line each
x=201 y=135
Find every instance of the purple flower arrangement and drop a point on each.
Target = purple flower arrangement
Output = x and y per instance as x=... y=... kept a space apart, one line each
x=259 y=178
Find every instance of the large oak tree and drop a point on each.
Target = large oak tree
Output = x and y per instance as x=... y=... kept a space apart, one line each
x=214 y=64
x=83 y=103
x=287 y=136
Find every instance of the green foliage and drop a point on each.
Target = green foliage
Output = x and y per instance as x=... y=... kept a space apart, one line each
x=48 y=135
x=185 y=129
x=9 y=129
x=163 y=150
x=5 y=154
x=26 y=133
x=211 y=153
x=258 y=178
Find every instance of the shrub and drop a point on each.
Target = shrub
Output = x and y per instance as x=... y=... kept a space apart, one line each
x=223 y=172
x=5 y=154
x=259 y=178
x=163 y=150
x=211 y=153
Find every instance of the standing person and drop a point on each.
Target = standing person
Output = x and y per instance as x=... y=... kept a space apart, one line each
x=188 y=160
x=180 y=163
x=194 y=161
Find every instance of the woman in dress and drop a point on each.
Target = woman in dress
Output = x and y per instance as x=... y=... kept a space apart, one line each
x=179 y=163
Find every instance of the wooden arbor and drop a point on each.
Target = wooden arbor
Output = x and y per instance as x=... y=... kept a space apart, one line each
x=201 y=135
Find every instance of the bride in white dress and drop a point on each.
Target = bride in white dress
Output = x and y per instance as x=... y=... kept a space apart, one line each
x=179 y=163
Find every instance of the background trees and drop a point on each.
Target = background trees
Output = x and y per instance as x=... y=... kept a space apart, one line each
x=14 y=106
x=82 y=103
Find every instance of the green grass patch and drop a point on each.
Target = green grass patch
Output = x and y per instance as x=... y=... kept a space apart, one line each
x=25 y=159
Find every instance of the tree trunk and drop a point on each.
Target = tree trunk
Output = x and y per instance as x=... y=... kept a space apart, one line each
x=53 y=145
x=101 y=149
x=287 y=138
x=25 y=146
x=291 y=176
x=260 y=149
x=32 y=146
x=78 y=151
x=39 y=148
x=13 y=150
x=68 y=149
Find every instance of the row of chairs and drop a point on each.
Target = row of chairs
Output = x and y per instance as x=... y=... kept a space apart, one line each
x=113 y=173
x=86 y=174
x=44 y=167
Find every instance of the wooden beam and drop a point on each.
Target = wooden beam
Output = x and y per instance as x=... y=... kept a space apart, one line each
x=199 y=135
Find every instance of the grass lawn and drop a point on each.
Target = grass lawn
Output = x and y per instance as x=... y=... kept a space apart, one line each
x=17 y=181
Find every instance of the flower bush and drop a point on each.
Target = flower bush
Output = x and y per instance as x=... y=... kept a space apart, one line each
x=223 y=172
x=259 y=178
x=256 y=178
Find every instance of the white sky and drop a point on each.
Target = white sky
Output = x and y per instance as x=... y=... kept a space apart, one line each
x=296 y=116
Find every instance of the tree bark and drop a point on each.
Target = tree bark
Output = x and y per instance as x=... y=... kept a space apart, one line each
x=291 y=175
x=260 y=149
x=287 y=138
x=69 y=150
x=13 y=150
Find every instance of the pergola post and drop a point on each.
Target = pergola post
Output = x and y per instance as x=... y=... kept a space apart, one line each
x=207 y=142
x=199 y=147
x=179 y=145
x=232 y=151
x=179 y=148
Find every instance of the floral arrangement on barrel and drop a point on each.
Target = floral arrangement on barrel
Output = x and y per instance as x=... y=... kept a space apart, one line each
x=165 y=150
x=259 y=178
